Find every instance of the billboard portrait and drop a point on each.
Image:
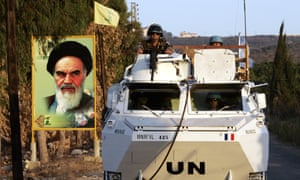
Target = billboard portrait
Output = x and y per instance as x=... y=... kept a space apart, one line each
x=63 y=83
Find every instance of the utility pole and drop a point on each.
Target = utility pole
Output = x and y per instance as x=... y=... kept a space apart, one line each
x=13 y=82
x=134 y=12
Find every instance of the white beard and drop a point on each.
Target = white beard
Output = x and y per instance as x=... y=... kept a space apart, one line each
x=67 y=100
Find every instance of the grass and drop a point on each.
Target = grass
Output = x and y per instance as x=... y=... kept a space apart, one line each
x=287 y=129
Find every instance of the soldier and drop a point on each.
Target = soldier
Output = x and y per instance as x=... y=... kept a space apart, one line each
x=214 y=101
x=155 y=41
x=215 y=41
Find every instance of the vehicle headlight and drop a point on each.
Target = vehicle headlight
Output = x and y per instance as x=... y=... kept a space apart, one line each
x=109 y=175
x=257 y=176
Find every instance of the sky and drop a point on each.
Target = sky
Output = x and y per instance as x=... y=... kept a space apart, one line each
x=220 y=17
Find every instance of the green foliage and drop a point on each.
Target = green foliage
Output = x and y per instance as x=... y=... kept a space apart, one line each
x=43 y=18
x=286 y=129
x=297 y=80
x=70 y=17
x=283 y=91
x=282 y=85
x=53 y=18
x=2 y=33
x=283 y=94
x=261 y=72
x=58 y=19
x=119 y=43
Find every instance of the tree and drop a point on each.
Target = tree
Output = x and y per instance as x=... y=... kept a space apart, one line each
x=41 y=137
x=282 y=86
x=261 y=72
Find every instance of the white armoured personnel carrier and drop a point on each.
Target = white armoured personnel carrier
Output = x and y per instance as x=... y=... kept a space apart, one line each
x=160 y=123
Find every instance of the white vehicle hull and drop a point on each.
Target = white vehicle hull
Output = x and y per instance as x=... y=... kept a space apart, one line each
x=162 y=128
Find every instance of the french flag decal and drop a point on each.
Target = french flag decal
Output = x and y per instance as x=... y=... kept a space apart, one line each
x=229 y=136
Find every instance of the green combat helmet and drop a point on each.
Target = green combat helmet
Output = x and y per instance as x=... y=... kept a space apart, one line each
x=155 y=28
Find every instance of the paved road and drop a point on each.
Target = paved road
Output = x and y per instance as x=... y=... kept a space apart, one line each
x=284 y=161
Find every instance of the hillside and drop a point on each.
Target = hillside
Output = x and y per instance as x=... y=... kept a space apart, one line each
x=262 y=48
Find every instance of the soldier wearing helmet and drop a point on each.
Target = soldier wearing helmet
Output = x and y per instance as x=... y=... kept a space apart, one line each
x=214 y=100
x=215 y=41
x=155 y=41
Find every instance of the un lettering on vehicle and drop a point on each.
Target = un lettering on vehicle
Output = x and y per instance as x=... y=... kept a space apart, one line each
x=190 y=168
x=151 y=137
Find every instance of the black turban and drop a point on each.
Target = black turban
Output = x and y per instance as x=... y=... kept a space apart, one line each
x=70 y=48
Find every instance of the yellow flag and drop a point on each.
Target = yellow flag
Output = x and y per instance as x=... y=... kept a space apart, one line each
x=105 y=16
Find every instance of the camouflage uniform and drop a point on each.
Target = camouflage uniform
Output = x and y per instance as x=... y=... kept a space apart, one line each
x=147 y=46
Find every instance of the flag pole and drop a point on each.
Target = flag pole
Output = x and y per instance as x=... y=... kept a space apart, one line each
x=109 y=17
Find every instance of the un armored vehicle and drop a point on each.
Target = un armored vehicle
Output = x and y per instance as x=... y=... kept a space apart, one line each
x=194 y=115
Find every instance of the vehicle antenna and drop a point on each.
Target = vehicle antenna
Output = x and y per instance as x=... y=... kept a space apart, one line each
x=245 y=21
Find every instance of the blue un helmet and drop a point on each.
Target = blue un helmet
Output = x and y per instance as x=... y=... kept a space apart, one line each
x=215 y=96
x=215 y=39
x=155 y=28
